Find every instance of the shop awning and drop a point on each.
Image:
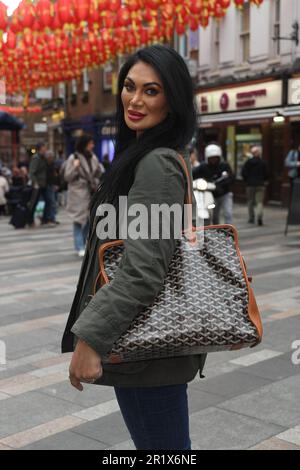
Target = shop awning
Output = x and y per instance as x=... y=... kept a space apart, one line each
x=9 y=122
x=256 y=114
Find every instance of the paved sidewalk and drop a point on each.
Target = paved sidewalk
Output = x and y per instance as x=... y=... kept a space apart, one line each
x=249 y=399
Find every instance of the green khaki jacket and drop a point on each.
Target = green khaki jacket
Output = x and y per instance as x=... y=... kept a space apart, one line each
x=100 y=320
x=38 y=170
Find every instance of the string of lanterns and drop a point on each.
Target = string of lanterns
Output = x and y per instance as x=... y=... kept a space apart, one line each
x=45 y=42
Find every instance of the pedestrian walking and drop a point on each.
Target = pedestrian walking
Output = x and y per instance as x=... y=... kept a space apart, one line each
x=38 y=170
x=216 y=170
x=255 y=175
x=60 y=164
x=82 y=173
x=156 y=120
x=292 y=162
x=4 y=188
x=52 y=188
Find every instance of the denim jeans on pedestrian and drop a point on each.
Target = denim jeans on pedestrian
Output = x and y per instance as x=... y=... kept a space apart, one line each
x=51 y=209
x=80 y=233
x=156 y=417
x=224 y=203
x=36 y=195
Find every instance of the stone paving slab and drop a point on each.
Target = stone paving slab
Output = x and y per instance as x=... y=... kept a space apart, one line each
x=92 y=395
x=218 y=429
x=249 y=398
x=276 y=403
x=109 y=430
x=31 y=409
x=232 y=384
x=275 y=444
x=67 y=440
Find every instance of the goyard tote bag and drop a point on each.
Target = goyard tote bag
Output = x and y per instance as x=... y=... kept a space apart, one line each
x=206 y=303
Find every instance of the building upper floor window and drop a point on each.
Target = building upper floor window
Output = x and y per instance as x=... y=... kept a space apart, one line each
x=216 y=41
x=245 y=33
x=182 y=44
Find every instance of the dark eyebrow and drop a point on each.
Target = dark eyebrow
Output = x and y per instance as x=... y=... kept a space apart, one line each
x=145 y=84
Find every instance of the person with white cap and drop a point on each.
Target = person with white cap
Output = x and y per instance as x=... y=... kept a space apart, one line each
x=216 y=170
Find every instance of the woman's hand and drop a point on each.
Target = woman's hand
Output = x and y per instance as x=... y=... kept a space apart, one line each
x=76 y=163
x=85 y=365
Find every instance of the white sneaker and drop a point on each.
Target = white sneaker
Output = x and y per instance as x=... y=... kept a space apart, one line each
x=81 y=253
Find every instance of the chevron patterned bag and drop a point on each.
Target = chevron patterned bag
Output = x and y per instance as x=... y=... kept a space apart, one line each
x=206 y=303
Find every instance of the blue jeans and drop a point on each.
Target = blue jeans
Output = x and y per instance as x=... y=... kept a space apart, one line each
x=156 y=417
x=51 y=209
x=80 y=233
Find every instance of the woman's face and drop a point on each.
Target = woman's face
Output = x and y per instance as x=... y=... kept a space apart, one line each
x=143 y=98
x=90 y=146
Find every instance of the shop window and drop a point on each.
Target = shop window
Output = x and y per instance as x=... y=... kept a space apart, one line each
x=245 y=139
x=245 y=33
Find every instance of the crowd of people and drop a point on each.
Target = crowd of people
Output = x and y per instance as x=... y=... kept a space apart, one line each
x=214 y=169
x=36 y=190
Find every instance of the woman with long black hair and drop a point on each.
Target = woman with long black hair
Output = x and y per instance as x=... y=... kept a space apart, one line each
x=155 y=121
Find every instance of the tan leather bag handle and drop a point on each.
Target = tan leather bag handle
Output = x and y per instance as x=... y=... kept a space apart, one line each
x=188 y=202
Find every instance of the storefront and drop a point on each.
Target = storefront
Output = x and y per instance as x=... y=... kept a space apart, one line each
x=241 y=116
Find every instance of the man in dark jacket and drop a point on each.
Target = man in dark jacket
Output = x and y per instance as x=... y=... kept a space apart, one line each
x=255 y=175
x=38 y=176
x=215 y=170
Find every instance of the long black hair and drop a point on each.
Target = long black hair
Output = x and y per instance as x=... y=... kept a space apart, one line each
x=174 y=132
x=82 y=143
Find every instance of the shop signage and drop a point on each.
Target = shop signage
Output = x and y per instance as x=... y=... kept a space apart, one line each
x=294 y=92
x=108 y=130
x=256 y=96
x=40 y=127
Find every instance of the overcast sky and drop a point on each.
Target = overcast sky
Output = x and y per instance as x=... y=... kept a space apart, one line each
x=12 y=5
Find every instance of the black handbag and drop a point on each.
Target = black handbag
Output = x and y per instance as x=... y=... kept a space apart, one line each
x=206 y=304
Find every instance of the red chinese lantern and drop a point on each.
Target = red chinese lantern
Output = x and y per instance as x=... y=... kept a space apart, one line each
x=196 y=7
x=11 y=41
x=180 y=28
x=103 y=5
x=44 y=11
x=28 y=38
x=168 y=11
x=123 y=17
x=224 y=4
x=3 y=17
x=108 y=20
x=239 y=3
x=57 y=23
x=26 y=13
x=194 y=24
x=82 y=10
x=114 y=5
x=65 y=9
x=218 y=11
x=154 y=4
x=94 y=16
